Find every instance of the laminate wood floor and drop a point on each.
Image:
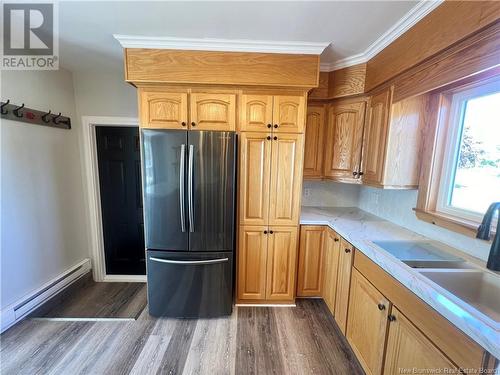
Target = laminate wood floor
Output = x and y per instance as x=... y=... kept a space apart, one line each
x=86 y=299
x=253 y=340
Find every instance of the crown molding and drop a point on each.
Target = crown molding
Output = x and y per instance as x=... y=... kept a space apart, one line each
x=419 y=11
x=223 y=45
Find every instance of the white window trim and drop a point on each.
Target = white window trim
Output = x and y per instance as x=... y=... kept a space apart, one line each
x=457 y=112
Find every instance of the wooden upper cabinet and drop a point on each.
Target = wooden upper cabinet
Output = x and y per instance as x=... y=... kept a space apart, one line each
x=162 y=110
x=407 y=347
x=252 y=261
x=375 y=139
x=346 y=257
x=313 y=149
x=286 y=178
x=255 y=177
x=331 y=255
x=289 y=114
x=213 y=111
x=256 y=113
x=344 y=140
x=310 y=269
x=367 y=323
x=281 y=263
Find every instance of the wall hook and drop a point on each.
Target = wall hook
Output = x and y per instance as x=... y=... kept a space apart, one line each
x=4 y=112
x=44 y=117
x=54 y=119
x=16 y=111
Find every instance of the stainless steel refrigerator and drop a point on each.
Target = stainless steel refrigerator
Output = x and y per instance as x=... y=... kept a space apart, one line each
x=189 y=211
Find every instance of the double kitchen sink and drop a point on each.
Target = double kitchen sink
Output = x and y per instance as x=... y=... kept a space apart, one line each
x=466 y=281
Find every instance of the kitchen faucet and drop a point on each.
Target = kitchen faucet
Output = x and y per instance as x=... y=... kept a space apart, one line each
x=484 y=232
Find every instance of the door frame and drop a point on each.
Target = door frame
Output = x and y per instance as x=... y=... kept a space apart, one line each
x=93 y=195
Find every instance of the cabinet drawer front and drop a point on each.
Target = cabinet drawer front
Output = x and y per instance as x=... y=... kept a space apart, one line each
x=281 y=263
x=255 y=175
x=256 y=113
x=160 y=110
x=213 y=112
x=289 y=114
x=314 y=140
x=408 y=348
x=286 y=179
x=310 y=270
x=252 y=262
x=367 y=323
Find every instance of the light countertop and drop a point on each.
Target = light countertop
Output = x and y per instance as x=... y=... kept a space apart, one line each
x=360 y=228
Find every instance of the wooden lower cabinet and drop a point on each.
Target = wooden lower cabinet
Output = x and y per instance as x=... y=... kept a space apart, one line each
x=267 y=259
x=331 y=255
x=310 y=269
x=346 y=256
x=367 y=323
x=281 y=263
x=408 y=348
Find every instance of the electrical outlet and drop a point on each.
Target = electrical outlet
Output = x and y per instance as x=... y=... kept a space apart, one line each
x=307 y=192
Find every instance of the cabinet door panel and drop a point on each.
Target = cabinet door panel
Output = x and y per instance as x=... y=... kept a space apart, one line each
x=367 y=323
x=213 y=112
x=331 y=265
x=255 y=175
x=313 y=149
x=286 y=179
x=281 y=262
x=344 y=141
x=310 y=270
x=288 y=114
x=343 y=283
x=252 y=262
x=408 y=348
x=161 y=110
x=375 y=137
x=256 y=113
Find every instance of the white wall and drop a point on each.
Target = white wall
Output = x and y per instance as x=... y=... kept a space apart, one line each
x=43 y=227
x=393 y=205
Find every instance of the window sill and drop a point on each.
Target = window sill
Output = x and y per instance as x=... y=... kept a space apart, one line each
x=453 y=223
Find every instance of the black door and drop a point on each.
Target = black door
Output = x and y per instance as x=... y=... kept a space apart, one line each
x=118 y=154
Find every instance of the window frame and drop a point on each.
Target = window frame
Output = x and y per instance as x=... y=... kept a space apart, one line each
x=451 y=149
x=434 y=161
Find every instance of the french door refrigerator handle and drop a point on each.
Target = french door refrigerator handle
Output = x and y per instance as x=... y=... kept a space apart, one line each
x=190 y=188
x=182 y=194
x=207 y=261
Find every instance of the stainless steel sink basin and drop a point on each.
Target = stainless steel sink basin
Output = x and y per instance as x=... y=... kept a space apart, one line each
x=448 y=264
x=477 y=288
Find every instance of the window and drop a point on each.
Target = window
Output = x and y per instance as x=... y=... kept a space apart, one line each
x=470 y=179
x=460 y=173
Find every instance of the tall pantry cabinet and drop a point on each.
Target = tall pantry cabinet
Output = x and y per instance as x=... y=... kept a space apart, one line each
x=271 y=152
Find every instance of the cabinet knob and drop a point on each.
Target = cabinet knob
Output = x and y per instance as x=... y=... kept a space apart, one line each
x=381 y=306
x=193 y=123
x=354 y=173
x=336 y=239
x=268 y=137
x=275 y=138
x=391 y=318
x=271 y=232
x=361 y=173
x=347 y=250
x=276 y=126
x=183 y=123
x=269 y=125
x=265 y=232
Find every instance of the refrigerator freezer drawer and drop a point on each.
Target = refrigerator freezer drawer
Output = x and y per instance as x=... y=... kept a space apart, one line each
x=189 y=285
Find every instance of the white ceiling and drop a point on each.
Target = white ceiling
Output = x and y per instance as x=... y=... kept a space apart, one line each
x=86 y=28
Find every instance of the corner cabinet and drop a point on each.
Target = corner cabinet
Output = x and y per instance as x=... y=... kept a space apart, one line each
x=331 y=267
x=165 y=109
x=310 y=269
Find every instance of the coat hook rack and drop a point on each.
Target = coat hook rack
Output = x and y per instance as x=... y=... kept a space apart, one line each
x=21 y=113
